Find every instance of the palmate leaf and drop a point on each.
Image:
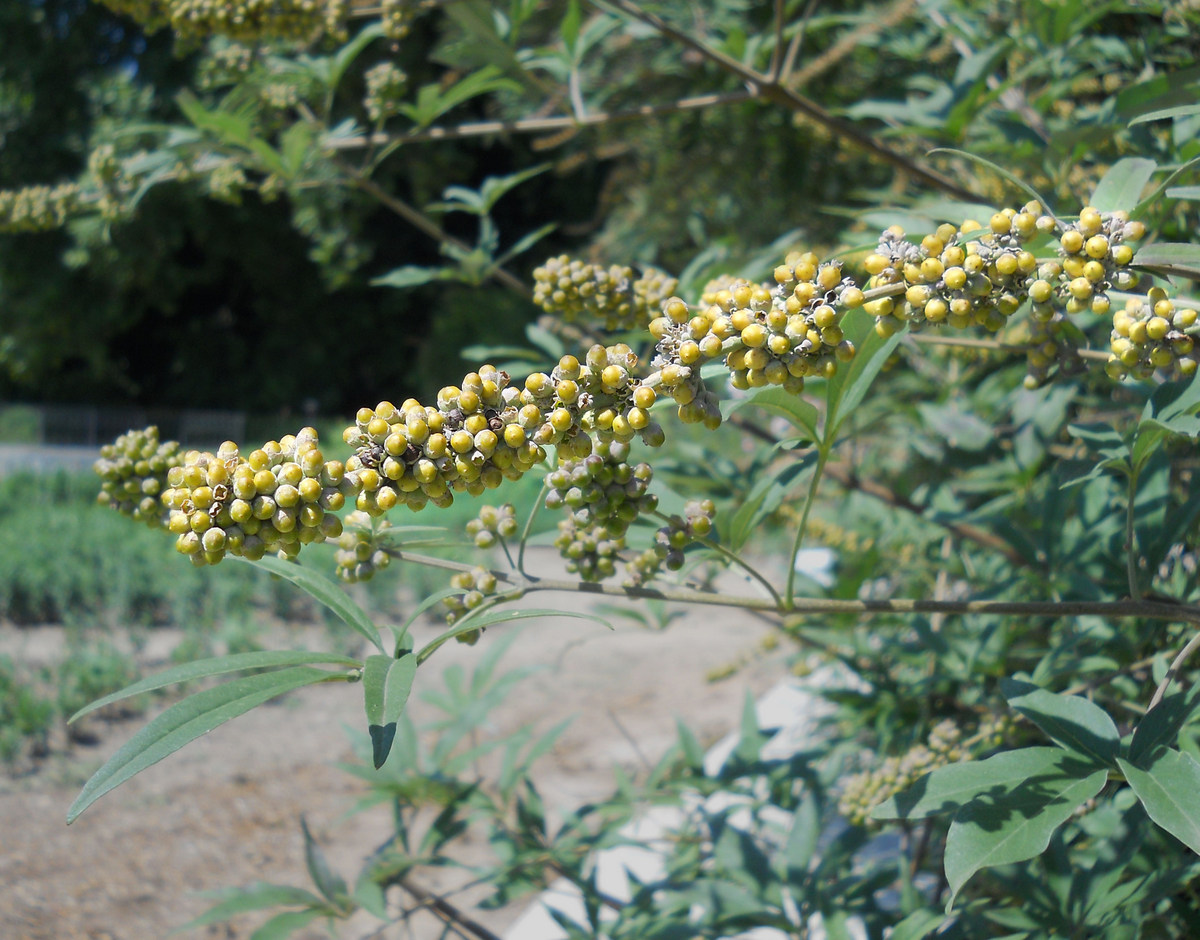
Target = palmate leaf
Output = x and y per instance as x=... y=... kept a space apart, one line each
x=187 y=720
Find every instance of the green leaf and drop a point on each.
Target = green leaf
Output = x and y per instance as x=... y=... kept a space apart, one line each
x=187 y=720
x=1014 y=826
x=1169 y=790
x=387 y=683
x=326 y=592
x=947 y=789
x=918 y=925
x=1121 y=187
x=411 y=275
x=765 y=497
x=349 y=52
x=490 y=617
x=328 y=883
x=1161 y=725
x=216 y=666
x=1186 y=110
x=1184 y=192
x=254 y=897
x=1170 y=259
x=802 y=838
x=1000 y=171
x=852 y=380
x=1071 y=720
x=570 y=25
x=284 y=925
x=778 y=402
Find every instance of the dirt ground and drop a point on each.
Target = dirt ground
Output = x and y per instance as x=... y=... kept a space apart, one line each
x=225 y=810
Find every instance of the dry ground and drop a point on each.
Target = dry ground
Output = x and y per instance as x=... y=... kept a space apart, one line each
x=225 y=810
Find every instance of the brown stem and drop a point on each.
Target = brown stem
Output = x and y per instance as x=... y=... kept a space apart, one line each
x=785 y=97
x=448 y=913
x=540 y=125
x=1174 y=669
x=1146 y=608
x=425 y=224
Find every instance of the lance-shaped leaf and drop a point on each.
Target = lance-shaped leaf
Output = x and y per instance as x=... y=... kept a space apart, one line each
x=489 y=617
x=255 y=897
x=852 y=380
x=1122 y=185
x=187 y=720
x=328 y=882
x=1161 y=725
x=326 y=593
x=217 y=666
x=1170 y=259
x=778 y=402
x=1168 y=790
x=386 y=685
x=1013 y=827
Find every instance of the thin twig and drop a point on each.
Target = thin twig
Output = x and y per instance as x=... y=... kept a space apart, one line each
x=1146 y=608
x=447 y=911
x=539 y=125
x=1174 y=668
x=785 y=97
x=422 y=222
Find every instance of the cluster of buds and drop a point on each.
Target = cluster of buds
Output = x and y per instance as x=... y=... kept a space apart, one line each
x=385 y=91
x=38 y=208
x=244 y=20
x=134 y=469
x=602 y=488
x=277 y=498
x=670 y=541
x=1151 y=333
x=768 y=336
x=863 y=792
x=591 y=550
x=362 y=547
x=492 y=523
x=474 y=587
x=572 y=289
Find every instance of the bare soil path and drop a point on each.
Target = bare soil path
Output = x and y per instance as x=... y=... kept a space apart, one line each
x=225 y=810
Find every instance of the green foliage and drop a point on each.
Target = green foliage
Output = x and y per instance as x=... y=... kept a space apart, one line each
x=26 y=716
x=1016 y=577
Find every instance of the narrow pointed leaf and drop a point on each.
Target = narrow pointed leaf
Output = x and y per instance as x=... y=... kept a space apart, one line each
x=284 y=925
x=1170 y=259
x=387 y=683
x=1122 y=185
x=255 y=897
x=778 y=402
x=1168 y=790
x=187 y=720
x=327 y=881
x=1014 y=827
x=217 y=666
x=853 y=379
x=467 y=624
x=1071 y=720
x=326 y=592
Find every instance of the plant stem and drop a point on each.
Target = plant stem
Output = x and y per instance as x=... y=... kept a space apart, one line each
x=734 y=559
x=1146 y=608
x=818 y=472
x=448 y=913
x=777 y=94
x=1173 y=670
x=537 y=505
x=1131 y=535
